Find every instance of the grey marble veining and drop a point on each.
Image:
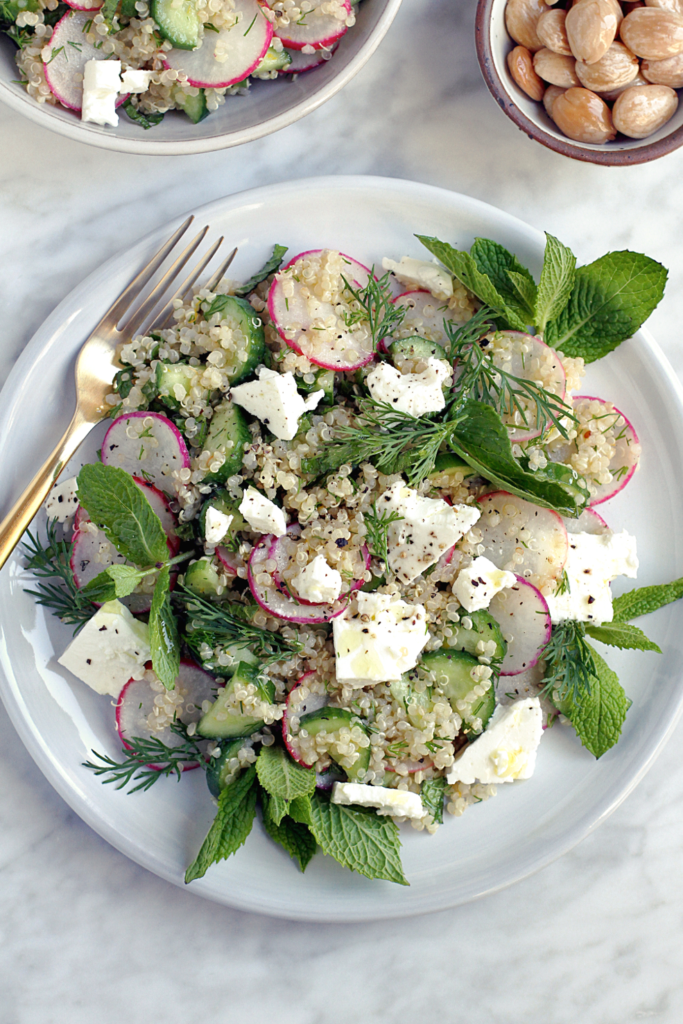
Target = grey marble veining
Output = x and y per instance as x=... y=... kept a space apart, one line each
x=87 y=936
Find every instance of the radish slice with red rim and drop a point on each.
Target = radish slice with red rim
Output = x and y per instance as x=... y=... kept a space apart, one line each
x=522 y=538
x=276 y=603
x=284 y=555
x=530 y=359
x=314 y=28
x=230 y=561
x=522 y=613
x=146 y=445
x=316 y=328
x=300 y=701
x=424 y=318
x=588 y=522
x=70 y=53
x=228 y=56
x=94 y=6
x=307 y=61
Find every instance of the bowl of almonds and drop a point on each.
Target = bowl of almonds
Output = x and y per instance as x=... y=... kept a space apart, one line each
x=596 y=80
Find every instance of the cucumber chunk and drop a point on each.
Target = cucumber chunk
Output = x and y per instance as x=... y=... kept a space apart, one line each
x=324 y=381
x=218 y=774
x=178 y=22
x=170 y=375
x=228 y=428
x=194 y=106
x=454 y=676
x=484 y=628
x=333 y=720
x=242 y=318
x=450 y=465
x=220 y=722
x=273 y=61
x=202 y=577
x=415 y=348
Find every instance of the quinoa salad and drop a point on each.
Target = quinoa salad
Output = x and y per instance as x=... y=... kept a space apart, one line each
x=147 y=58
x=344 y=546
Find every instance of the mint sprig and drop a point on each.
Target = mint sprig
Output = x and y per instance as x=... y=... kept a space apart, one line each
x=643 y=600
x=623 y=635
x=117 y=506
x=164 y=641
x=597 y=716
x=432 y=794
x=511 y=279
x=231 y=826
x=294 y=837
x=556 y=283
x=281 y=776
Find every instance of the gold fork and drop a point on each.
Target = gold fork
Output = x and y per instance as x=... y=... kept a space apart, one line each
x=96 y=366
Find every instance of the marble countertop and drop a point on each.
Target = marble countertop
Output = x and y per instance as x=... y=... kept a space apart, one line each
x=86 y=935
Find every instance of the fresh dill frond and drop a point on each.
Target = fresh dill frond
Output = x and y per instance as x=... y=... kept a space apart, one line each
x=378 y=524
x=136 y=766
x=222 y=624
x=563 y=585
x=377 y=308
x=570 y=665
x=50 y=561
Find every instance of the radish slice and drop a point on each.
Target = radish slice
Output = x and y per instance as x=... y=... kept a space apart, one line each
x=70 y=53
x=94 y=6
x=424 y=318
x=273 y=601
x=230 y=561
x=523 y=615
x=278 y=552
x=601 y=425
x=227 y=56
x=314 y=28
x=588 y=522
x=523 y=538
x=306 y=62
x=304 y=322
x=135 y=708
x=531 y=359
x=147 y=445
x=300 y=701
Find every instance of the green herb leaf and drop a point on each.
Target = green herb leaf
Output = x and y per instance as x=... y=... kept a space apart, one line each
x=163 y=632
x=377 y=307
x=281 y=776
x=139 y=117
x=597 y=716
x=644 y=600
x=216 y=626
x=378 y=524
x=610 y=300
x=432 y=794
x=101 y=589
x=277 y=807
x=557 y=281
x=294 y=837
x=231 y=826
x=52 y=561
x=621 y=634
x=139 y=754
x=117 y=505
x=569 y=665
x=270 y=267
x=511 y=280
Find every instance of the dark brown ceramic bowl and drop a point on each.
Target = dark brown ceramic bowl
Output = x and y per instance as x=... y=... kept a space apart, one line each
x=493 y=46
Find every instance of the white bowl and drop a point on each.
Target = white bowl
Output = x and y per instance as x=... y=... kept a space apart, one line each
x=269 y=106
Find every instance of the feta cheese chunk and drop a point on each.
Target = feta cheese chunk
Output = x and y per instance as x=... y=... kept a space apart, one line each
x=274 y=400
x=506 y=750
x=62 y=501
x=379 y=640
x=428 y=528
x=421 y=274
x=135 y=80
x=111 y=648
x=412 y=393
x=216 y=525
x=262 y=514
x=318 y=582
x=593 y=561
x=397 y=802
x=479 y=582
x=101 y=82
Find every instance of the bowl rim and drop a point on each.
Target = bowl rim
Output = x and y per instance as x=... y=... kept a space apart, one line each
x=574 y=150
x=89 y=135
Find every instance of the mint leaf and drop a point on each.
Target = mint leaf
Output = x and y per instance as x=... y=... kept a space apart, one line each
x=482 y=440
x=273 y=264
x=597 y=716
x=295 y=838
x=557 y=281
x=300 y=810
x=511 y=280
x=524 y=287
x=100 y=589
x=464 y=267
x=644 y=600
x=432 y=794
x=281 y=776
x=231 y=826
x=621 y=634
x=163 y=632
x=610 y=300
x=357 y=838
x=138 y=117
x=277 y=806
x=116 y=505
x=126 y=578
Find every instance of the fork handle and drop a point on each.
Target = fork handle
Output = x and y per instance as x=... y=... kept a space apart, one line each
x=22 y=512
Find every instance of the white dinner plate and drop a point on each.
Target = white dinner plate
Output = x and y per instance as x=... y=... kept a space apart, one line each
x=495 y=843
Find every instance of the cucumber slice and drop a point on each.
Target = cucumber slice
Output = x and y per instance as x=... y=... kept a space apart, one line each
x=228 y=428
x=456 y=667
x=273 y=61
x=168 y=375
x=194 y=106
x=220 y=722
x=324 y=381
x=484 y=627
x=332 y=720
x=447 y=464
x=11 y=9
x=202 y=577
x=228 y=506
x=178 y=22
x=415 y=348
x=242 y=317
x=218 y=774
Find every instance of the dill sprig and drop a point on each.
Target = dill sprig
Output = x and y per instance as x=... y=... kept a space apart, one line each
x=50 y=561
x=563 y=585
x=221 y=624
x=378 y=524
x=570 y=665
x=136 y=766
x=377 y=308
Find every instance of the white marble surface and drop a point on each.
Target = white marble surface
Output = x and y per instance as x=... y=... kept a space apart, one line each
x=86 y=935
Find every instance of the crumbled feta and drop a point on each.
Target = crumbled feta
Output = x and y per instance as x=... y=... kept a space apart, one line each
x=318 y=582
x=379 y=640
x=506 y=750
x=262 y=514
x=397 y=802
x=216 y=525
x=428 y=528
x=593 y=561
x=421 y=274
x=479 y=582
x=101 y=83
x=135 y=80
x=274 y=400
x=412 y=393
x=62 y=501
x=111 y=648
